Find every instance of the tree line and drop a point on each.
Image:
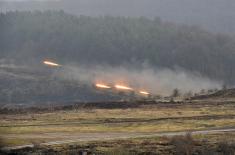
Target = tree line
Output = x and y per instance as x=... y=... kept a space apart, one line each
x=29 y=37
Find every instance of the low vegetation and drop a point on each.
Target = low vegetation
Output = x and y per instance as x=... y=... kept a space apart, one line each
x=19 y=129
x=177 y=145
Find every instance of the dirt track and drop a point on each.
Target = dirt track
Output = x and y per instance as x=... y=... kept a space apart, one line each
x=86 y=137
x=115 y=121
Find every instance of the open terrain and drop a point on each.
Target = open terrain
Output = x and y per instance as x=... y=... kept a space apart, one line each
x=83 y=125
x=121 y=83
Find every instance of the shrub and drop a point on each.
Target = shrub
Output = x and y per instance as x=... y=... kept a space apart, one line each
x=184 y=145
x=226 y=148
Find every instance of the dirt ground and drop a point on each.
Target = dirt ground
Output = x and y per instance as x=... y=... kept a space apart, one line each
x=62 y=127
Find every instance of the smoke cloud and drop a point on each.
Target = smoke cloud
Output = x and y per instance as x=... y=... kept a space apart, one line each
x=156 y=81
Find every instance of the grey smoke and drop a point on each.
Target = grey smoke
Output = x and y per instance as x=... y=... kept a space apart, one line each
x=160 y=81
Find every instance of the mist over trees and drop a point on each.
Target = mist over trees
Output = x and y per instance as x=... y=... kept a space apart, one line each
x=214 y=15
x=33 y=36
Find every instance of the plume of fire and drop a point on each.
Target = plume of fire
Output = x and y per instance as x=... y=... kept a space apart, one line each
x=98 y=85
x=49 y=63
x=123 y=87
x=144 y=92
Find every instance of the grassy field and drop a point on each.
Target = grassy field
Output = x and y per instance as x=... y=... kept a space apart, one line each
x=220 y=144
x=207 y=144
x=30 y=128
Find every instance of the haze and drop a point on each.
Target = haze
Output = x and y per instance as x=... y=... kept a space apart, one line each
x=214 y=15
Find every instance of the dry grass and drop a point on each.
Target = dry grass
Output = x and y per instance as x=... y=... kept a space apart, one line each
x=145 y=119
x=94 y=115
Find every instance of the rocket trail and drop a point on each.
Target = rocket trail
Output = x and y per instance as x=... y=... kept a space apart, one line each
x=50 y=63
x=102 y=86
x=144 y=92
x=123 y=87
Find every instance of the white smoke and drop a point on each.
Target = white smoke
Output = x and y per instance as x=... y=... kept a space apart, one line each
x=160 y=81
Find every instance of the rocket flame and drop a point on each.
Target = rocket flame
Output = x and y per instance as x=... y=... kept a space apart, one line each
x=102 y=86
x=49 y=63
x=144 y=92
x=123 y=87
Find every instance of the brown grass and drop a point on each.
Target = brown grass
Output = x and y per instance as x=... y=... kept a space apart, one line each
x=146 y=119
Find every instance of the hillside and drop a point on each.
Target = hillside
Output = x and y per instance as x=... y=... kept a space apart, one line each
x=213 y=15
x=40 y=87
x=115 y=41
x=219 y=95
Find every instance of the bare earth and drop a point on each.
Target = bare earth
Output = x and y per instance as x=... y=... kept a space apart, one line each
x=86 y=137
x=86 y=125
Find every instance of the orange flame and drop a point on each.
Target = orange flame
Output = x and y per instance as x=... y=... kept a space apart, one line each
x=49 y=63
x=144 y=92
x=102 y=86
x=123 y=87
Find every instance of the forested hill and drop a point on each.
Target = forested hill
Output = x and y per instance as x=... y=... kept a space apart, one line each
x=33 y=36
x=214 y=15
